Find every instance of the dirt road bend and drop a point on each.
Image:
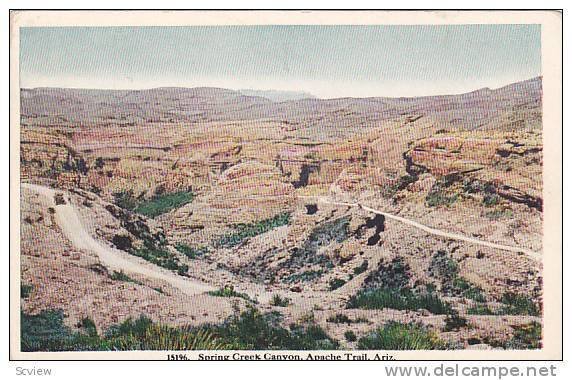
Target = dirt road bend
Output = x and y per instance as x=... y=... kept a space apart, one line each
x=433 y=231
x=73 y=229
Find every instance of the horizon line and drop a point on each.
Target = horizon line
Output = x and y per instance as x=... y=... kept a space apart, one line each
x=304 y=91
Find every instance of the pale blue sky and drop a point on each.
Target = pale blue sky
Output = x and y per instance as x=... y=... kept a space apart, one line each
x=328 y=61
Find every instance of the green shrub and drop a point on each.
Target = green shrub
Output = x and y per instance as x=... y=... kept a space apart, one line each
x=361 y=268
x=121 y=276
x=498 y=214
x=403 y=299
x=122 y=242
x=163 y=203
x=399 y=336
x=192 y=252
x=447 y=269
x=161 y=257
x=526 y=337
x=248 y=330
x=25 y=290
x=439 y=198
x=339 y=318
x=490 y=200
x=517 y=304
x=279 y=301
x=480 y=309
x=244 y=231
x=125 y=199
x=305 y=276
x=46 y=332
x=350 y=336
x=468 y=290
x=252 y=330
x=336 y=283
x=455 y=322
x=228 y=291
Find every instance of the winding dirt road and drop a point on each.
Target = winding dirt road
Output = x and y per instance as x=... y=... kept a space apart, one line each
x=533 y=255
x=114 y=259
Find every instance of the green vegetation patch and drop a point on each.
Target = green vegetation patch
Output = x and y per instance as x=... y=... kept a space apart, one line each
x=399 y=336
x=441 y=194
x=279 y=301
x=163 y=203
x=252 y=330
x=518 y=304
x=192 y=252
x=480 y=309
x=305 y=276
x=25 y=290
x=244 y=231
x=228 y=291
x=161 y=257
x=350 y=336
x=526 y=337
x=156 y=205
x=361 y=268
x=447 y=270
x=336 y=283
x=455 y=322
x=399 y=299
x=121 y=276
x=249 y=330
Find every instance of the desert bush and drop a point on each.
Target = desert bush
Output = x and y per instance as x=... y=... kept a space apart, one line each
x=192 y=252
x=518 y=304
x=339 y=318
x=336 y=283
x=99 y=163
x=447 y=270
x=247 y=330
x=392 y=275
x=244 y=231
x=121 y=276
x=399 y=299
x=439 y=198
x=526 y=337
x=455 y=322
x=350 y=336
x=468 y=290
x=400 y=336
x=59 y=199
x=25 y=290
x=279 y=301
x=490 y=200
x=122 y=242
x=44 y=332
x=125 y=200
x=160 y=257
x=228 y=291
x=498 y=214
x=305 y=276
x=252 y=330
x=480 y=309
x=361 y=268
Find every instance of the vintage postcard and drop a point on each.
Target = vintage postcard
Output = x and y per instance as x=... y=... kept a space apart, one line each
x=286 y=185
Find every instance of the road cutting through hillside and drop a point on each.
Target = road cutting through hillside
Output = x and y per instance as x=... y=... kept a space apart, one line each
x=533 y=255
x=114 y=259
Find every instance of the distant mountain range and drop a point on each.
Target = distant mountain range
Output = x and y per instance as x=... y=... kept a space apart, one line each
x=74 y=107
x=278 y=96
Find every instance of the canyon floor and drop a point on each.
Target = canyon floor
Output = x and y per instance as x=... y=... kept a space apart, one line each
x=360 y=220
